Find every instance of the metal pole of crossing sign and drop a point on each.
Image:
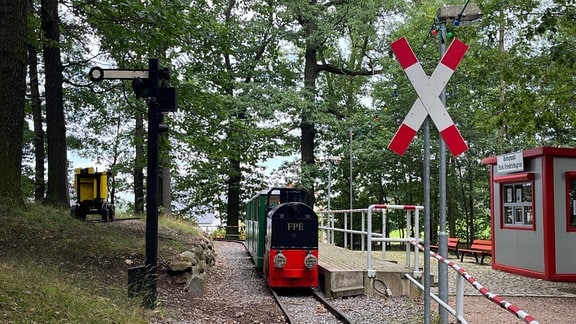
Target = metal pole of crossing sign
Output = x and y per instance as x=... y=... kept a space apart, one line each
x=442 y=235
x=430 y=105
x=461 y=14
x=427 y=205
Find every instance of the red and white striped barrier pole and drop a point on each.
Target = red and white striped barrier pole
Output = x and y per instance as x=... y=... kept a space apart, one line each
x=428 y=103
x=526 y=317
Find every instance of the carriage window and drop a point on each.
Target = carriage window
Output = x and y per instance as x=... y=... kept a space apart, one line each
x=517 y=204
x=571 y=201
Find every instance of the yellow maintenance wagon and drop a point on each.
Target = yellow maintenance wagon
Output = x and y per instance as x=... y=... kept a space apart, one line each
x=92 y=194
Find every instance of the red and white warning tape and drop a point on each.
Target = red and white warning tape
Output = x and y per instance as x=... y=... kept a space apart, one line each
x=526 y=317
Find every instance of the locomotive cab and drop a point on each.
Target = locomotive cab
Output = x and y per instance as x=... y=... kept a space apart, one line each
x=277 y=196
x=291 y=248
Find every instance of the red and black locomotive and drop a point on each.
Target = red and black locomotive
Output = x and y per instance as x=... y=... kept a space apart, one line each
x=290 y=238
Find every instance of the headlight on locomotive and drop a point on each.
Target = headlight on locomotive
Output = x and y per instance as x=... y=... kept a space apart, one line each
x=279 y=260
x=310 y=261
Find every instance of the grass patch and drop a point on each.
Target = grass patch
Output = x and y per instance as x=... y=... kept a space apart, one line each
x=179 y=224
x=38 y=293
x=55 y=268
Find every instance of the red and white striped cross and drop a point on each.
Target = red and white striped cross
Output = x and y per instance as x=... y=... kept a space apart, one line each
x=428 y=102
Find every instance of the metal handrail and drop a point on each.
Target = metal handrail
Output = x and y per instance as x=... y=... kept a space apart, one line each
x=415 y=242
x=367 y=234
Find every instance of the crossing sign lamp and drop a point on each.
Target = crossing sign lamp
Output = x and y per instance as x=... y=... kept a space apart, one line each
x=428 y=102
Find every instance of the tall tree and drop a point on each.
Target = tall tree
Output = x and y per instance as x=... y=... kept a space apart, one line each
x=57 y=187
x=130 y=33
x=14 y=33
x=37 y=117
x=240 y=61
x=139 y=162
x=323 y=26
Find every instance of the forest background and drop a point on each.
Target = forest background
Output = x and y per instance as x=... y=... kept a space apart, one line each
x=307 y=80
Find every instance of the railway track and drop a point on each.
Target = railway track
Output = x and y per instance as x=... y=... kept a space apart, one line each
x=99 y=220
x=308 y=306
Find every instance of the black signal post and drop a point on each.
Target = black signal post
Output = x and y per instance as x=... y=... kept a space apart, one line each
x=152 y=186
x=146 y=84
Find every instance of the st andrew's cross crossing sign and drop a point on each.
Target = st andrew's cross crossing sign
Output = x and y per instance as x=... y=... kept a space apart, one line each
x=428 y=102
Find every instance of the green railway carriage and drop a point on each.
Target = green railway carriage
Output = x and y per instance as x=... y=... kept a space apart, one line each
x=256 y=225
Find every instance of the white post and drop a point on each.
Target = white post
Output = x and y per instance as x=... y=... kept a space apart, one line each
x=459 y=297
x=408 y=245
x=384 y=214
x=345 y=230
x=332 y=228
x=371 y=273
x=363 y=236
x=417 y=272
x=351 y=229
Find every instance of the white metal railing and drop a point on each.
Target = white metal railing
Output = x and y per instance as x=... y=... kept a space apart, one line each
x=409 y=209
x=328 y=226
x=366 y=215
x=368 y=237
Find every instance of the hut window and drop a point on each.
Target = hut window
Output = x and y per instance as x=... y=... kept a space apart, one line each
x=517 y=200
x=571 y=201
x=518 y=204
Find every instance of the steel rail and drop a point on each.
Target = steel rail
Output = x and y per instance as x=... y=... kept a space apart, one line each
x=339 y=315
x=333 y=309
x=289 y=318
x=99 y=220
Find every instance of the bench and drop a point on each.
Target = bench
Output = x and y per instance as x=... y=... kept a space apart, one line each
x=478 y=248
x=452 y=245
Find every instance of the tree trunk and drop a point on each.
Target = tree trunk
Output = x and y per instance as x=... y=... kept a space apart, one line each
x=234 y=170
x=307 y=143
x=451 y=200
x=39 y=150
x=57 y=191
x=138 y=165
x=471 y=208
x=115 y=155
x=502 y=97
x=452 y=217
x=166 y=202
x=234 y=180
x=14 y=33
x=233 y=207
x=165 y=176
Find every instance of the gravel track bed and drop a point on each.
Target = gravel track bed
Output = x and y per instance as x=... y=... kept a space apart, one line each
x=236 y=293
x=234 y=278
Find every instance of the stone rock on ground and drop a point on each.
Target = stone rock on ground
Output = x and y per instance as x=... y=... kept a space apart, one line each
x=191 y=267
